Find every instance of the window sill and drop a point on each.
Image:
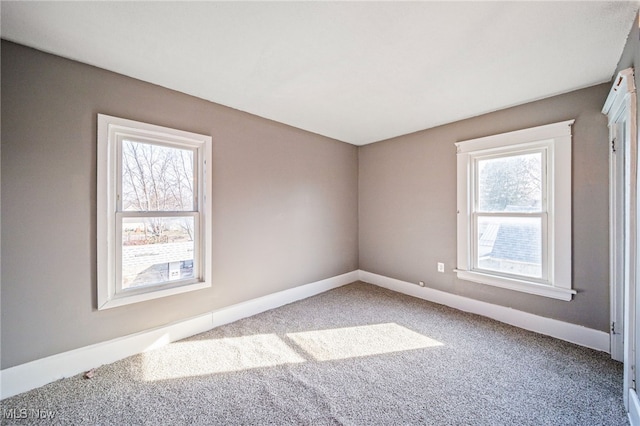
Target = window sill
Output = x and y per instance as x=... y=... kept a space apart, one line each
x=113 y=301
x=517 y=285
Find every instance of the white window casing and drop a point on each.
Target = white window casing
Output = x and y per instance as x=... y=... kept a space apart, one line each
x=553 y=142
x=113 y=133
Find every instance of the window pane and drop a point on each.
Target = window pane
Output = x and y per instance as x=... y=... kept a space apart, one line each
x=156 y=178
x=157 y=250
x=510 y=245
x=510 y=184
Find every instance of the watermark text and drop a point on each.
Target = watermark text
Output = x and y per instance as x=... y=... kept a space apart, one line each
x=28 y=413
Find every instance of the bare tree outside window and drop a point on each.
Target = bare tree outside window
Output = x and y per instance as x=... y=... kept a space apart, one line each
x=157 y=178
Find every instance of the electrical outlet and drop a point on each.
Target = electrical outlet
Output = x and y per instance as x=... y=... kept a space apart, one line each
x=440 y=267
x=421 y=283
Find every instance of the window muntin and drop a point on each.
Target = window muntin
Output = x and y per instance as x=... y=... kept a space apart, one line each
x=514 y=210
x=153 y=211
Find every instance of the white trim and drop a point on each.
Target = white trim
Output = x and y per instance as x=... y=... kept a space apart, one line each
x=533 y=134
x=583 y=336
x=111 y=132
x=555 y=141
x=31 y=375
x=275 y=300
x=621 y=110
x=623 y=85
x=518 y=285
x=634 y=408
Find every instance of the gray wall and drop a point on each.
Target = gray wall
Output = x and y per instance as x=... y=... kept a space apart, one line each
x=407 y=202
x=284 y=204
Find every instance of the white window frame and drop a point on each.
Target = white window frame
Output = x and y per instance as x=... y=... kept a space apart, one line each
x=554 y=142
x=111 y=132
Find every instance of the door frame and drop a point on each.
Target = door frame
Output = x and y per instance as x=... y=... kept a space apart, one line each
x=620 y=108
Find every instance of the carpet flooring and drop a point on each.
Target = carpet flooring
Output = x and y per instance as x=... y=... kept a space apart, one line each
x=356 y=355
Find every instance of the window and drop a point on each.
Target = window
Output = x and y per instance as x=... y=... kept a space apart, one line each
x=154 y=211
x=514 y=210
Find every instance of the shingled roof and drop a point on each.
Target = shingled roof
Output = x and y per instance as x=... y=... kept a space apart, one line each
x=519 y=243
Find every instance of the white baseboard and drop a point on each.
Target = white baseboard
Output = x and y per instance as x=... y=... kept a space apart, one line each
x=271 y=301
x=634 y=408
x=31 y=375
x=583 y=336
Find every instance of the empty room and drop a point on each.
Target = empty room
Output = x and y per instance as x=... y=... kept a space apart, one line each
x=319 y=213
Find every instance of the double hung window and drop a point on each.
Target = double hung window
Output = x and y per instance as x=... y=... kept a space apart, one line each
x=153 y=211
x=514 y=210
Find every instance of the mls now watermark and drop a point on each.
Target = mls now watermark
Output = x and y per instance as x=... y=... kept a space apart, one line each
x=28 y=413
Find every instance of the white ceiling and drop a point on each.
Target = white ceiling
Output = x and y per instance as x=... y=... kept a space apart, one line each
x=359 y=72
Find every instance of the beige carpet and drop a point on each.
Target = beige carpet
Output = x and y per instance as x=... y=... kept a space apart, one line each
x=357 y=355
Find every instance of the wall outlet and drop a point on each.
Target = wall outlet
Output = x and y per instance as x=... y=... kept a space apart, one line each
x=421 y=283
x=440 y=267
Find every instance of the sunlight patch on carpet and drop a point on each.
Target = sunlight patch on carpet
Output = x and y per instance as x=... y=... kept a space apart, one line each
x=231 y=354
x=204 y=357
x=366 y=340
